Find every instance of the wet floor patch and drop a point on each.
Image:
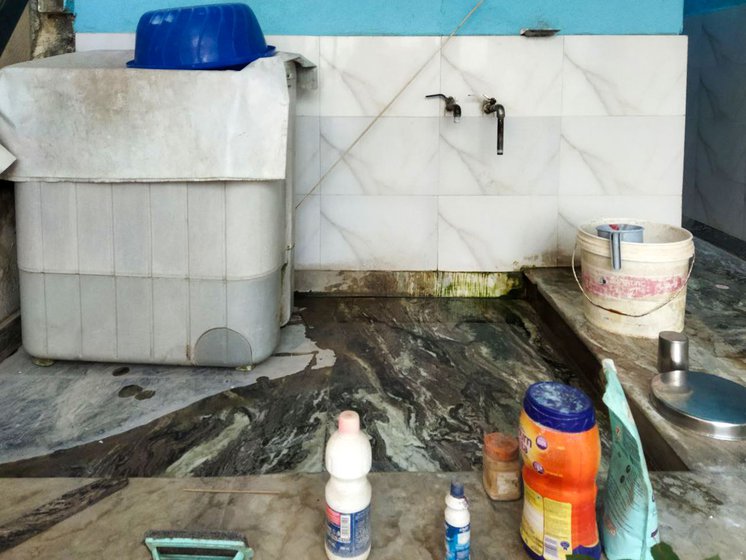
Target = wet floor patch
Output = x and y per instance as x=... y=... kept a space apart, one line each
x=70 y=404
x=136 y=391
x=129 y=391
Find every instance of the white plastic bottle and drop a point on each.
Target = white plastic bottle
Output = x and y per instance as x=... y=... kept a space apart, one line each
x=458 y=523
x=348 y=492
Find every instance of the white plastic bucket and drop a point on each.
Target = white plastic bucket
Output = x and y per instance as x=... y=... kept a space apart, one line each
x=648 y=294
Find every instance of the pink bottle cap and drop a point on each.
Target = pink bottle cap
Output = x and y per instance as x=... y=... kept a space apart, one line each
x=349 y=422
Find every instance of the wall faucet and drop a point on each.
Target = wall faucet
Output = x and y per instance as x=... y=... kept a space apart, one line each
x=490 y=105
x=451 y=105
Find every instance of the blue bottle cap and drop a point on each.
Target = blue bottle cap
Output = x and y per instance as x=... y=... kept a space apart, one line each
x=457 y=489
x=559 y=407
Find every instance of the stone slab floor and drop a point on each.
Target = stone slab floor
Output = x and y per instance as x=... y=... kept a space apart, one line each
x=428 y=376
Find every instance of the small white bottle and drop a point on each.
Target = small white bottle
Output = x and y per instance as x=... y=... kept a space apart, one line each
x=348 y=492
x=458 y=523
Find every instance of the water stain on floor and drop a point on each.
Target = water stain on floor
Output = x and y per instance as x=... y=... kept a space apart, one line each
x=129 y=391
x=120 y=371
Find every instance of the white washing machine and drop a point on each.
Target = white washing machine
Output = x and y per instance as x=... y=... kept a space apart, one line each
x=153 y=208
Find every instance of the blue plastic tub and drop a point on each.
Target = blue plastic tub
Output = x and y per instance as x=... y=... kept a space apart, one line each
x=213 y=37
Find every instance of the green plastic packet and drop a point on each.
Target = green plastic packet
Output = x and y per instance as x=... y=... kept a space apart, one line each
x=629 y=521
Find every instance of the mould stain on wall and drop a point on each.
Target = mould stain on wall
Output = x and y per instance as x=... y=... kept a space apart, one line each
x=409 y=283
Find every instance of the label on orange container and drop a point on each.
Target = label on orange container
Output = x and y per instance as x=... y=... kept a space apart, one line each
x=559 y=470
x=546 y=526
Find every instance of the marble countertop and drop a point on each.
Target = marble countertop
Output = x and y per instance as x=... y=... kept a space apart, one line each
x=716 y=327
x=699 y=514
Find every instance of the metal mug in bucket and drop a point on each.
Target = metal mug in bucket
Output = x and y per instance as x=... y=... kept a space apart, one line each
x=616 y=233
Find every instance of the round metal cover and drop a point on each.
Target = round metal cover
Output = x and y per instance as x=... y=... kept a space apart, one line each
x=708 y=404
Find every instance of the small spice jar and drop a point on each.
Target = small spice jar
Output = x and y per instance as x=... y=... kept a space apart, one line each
x=501 y=467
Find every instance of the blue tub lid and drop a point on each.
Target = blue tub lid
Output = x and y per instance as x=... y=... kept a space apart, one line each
x=559 y=407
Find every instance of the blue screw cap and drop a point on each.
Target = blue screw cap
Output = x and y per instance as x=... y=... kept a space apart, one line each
x=457 y=489
x=559 y=407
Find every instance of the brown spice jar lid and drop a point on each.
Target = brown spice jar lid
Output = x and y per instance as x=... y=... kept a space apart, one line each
x=500 y=446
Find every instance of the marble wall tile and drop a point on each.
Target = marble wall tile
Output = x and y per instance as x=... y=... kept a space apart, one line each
x=723 y=36
x=525 y=75
x=693 y=31
x=360 y=76
x=715 y=172
x=721 y=146
x=396 y=156
x=704 y=44
x=620 y=140
x=621 y=155
x=307 y=102
x=496 y=232
x=577 y=210
x=624 y=75
x=717 y=200
x=379 y=232
x=307 y=231
x=720 y=92
x=306 y=160
x=690 y=155
x=469 y=164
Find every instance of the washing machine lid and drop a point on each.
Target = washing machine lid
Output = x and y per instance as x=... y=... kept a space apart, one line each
x=87 y=117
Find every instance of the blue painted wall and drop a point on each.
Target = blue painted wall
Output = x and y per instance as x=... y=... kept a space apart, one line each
x=693 y=7
x=414 y=17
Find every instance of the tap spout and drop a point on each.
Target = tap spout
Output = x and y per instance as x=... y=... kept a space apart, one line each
x=500 y=129
x=451 y=105
x=489 y=106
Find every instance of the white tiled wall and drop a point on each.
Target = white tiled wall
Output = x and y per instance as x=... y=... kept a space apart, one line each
x=715 y=175
x=386 y=181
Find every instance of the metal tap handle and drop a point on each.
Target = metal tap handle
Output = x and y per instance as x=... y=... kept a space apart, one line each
x=451 y=105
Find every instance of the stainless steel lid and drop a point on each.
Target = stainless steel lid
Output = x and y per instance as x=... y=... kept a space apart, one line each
x=708 y=404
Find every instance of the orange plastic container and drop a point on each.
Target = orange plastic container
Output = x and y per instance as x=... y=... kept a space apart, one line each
x=561 y=451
